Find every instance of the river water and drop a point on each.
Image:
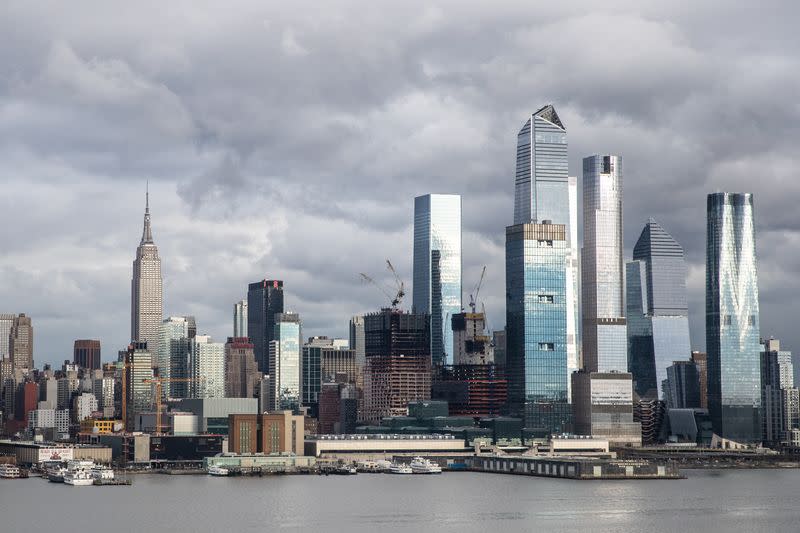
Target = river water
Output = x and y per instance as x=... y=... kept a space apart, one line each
x=708 y=502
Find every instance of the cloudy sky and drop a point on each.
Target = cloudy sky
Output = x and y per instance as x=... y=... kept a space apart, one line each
x=289 y=140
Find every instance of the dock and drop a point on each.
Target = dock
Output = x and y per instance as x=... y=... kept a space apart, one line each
x=579 y=468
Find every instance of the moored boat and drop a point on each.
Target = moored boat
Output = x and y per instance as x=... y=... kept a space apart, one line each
x=9 y=471
x=217 y=471
x=424 y=466
x=79 y=473
x=399 y=468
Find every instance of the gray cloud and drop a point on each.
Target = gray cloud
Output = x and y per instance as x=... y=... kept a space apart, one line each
x=287 y=145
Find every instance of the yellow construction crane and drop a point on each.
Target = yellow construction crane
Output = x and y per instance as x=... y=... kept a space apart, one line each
x=158 y=382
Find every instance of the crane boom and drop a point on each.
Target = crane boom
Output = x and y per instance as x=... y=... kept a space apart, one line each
x=401 y=291
x=367 y=279
x=474 y=300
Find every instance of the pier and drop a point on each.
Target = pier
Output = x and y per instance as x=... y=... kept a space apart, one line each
x=581 y=468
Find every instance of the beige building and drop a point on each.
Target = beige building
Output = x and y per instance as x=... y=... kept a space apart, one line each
x=241 y=370
x=275 y=432
x=146 y=289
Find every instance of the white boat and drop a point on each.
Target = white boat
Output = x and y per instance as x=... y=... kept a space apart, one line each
x=8 y=471
x=102 y=472
x=215 y=470
x=399 y=468
x=424 y=466
x=79 y=473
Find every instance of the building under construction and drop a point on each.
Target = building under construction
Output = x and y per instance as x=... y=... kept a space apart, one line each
x=398 y=362
x=471 y=390
x=471 y=346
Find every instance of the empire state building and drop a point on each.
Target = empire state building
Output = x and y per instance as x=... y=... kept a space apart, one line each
x=146 y=310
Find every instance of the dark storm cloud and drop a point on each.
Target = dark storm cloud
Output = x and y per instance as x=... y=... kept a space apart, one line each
x=287 y=145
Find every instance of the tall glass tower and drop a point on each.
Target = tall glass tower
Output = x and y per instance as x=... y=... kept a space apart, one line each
x=437 y=267
x=264 y=301
x=541 y=277
x=604 y=328
x=732 y=334
x=657 y=312
x=284 y=362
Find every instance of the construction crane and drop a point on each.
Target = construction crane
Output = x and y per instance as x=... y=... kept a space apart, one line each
x=401 y=291
x=400 y=286
x=158 y=382
x=473 y=300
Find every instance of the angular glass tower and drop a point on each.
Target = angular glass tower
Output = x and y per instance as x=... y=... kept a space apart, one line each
x=264 y=301
x=604 y=328
x=284 y=362
x=437 y=267
x=541 y=277
x=657 y=312
x=732 y=334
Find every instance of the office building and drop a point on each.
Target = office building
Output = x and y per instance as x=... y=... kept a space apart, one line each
x=657 y=312
x=357 y=338
x=323 y=360
x=173 y=353
x=138 y=382
x=146 y=289
x=779 y=396
x=284 y=362
x=83 y=406
x=499 y=345
x=103 y=388
x=603 y=407
x=605 y=343
x=240 y=319
x=206 y=368
x=398 y=362
x=732 y=324
x=86 y=354
x=267 y=433
x=241 y=370
x=700 y=360
x=264 y=301
x=20 y=343
x=213 y=413
x=6 y=323
x=437 y=267
x=682 y=386
x=536 y=326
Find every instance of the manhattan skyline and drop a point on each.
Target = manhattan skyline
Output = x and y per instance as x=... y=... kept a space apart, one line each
x=229 y=197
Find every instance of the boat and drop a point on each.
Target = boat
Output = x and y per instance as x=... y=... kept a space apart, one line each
x=56 y=473
x=102 y=473
x=399 y=468
x=215 y=470
x=424 y=466
x=8 y=471
x=345 y=470
x=79 y=473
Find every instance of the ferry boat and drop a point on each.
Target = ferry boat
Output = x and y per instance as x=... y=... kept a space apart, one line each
x=345 y=470
x=215 y=470
x=8 y=471
x=424 y=466
x=102 y=473
x=79 y=473
x=399 y=468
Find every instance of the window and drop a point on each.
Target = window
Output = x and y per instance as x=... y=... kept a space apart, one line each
x=547 y=346
x=545 y=244
x=752 y=320
x=727 y=320
x=545 y=298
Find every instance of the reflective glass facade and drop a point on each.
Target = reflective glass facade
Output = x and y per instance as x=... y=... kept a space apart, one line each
x=536 y=325
x=264 y=300
x=173 y=355
x=437 y=267
x=604 y=330
x=206 y=368
x=657 y=312
x=285 y=361
x=732 y=334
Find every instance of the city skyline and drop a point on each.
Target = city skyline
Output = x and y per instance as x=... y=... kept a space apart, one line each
x=224 y=218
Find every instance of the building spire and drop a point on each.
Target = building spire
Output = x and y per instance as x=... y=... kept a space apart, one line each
x=147 y=233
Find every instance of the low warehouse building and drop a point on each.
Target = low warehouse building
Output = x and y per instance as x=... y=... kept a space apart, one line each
x=370 y=444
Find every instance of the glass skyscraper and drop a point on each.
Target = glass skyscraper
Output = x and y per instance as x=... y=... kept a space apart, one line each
x=541 y=277
x=604 y=328
x=437 y=267
x=657 y=312
x=173 y=354
x=284 y=362
x=264 y=300
x=732 y=334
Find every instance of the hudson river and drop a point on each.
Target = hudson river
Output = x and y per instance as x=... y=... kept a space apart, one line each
x=708 y=502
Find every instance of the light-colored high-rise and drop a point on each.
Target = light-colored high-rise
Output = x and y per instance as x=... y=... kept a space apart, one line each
x=437 y=267
x=206 y=368
x=146 y=289
x=605 y=342
x=284 y=361
x=173 y=354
